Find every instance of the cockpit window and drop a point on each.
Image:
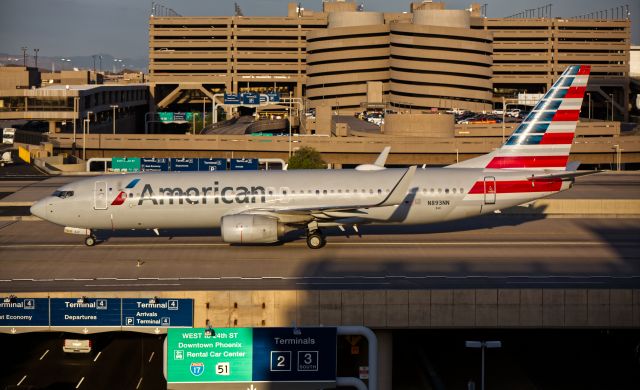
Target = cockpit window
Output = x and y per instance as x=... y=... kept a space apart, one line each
x=63 y=194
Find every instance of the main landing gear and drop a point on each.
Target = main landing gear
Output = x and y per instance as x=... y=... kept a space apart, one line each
x=90 y=240
x=315 y=239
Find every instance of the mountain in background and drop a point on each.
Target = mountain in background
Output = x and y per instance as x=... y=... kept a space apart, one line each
x=109 y=63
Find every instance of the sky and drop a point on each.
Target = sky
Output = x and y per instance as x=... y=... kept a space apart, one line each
x=120 y=27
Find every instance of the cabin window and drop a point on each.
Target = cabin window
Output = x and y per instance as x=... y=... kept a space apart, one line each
x=446 y=190
x=454 y=190
x=339 y=191
x=439 y=190
x=347 y=191
x=324 y=192
x=379 y=191
x=462 y=190
x=317 y=192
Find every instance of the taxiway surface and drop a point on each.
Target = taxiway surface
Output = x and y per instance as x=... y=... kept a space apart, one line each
x=490 y=251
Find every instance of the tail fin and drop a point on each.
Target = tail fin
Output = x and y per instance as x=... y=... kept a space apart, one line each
x=543 y=139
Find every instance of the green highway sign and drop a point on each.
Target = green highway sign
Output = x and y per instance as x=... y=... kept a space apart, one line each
x=125 y=164
x=166 y=116
x=287 y=358
x=226 y=356
x=179 y=117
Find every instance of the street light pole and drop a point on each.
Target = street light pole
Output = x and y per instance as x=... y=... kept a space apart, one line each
x=504 y=111
x=36 y=57
x=611 y=96
x=113 y=118
x=289 y=124
x=204 y=112
x=85 y=131
x=24 y=55
x=482 y=345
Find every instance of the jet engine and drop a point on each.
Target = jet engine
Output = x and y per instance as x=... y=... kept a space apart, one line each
x=251 y=229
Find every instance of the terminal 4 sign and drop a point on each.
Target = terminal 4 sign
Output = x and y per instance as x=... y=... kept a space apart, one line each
x=252 y=355
x=32 y=313
x=88 y=315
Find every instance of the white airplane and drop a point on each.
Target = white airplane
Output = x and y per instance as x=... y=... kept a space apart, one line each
x=261 y=206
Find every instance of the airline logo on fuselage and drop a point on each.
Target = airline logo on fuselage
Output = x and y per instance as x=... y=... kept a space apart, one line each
x=201 y=195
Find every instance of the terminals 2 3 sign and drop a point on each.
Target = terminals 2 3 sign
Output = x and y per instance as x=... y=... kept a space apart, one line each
x=251 y=355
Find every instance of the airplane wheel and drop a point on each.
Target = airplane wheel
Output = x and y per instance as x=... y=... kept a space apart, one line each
x=315 y=240
x=90 y=240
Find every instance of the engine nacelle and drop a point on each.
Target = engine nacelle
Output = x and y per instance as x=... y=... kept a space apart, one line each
x=250 y=229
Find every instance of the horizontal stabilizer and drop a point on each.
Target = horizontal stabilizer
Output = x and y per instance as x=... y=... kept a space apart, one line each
x=562 y=175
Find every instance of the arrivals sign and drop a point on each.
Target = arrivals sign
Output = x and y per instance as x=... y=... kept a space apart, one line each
x=89 y=315
x=251 y=355
x=157 y=312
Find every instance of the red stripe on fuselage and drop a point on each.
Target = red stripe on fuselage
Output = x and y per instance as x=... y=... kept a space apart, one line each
x=575 y=93
x=529 y=162
x=557 y=139
x=518 y=186
x=566 y=116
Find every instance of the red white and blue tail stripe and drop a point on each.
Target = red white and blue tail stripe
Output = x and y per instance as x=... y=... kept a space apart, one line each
x=543 y=140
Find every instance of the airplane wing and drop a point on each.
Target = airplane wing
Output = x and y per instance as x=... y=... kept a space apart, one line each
x=395 y=197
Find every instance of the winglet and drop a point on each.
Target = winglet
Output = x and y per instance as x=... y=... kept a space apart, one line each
x=382 y=158
x=399 y=192
x=378 y=165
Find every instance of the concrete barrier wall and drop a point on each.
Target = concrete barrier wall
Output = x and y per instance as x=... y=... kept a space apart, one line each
x=389 y=309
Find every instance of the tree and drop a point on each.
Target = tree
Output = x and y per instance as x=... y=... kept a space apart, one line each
x=306 y=158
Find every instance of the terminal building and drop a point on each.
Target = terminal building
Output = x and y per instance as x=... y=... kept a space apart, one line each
x=68 y=98
x=426 y=58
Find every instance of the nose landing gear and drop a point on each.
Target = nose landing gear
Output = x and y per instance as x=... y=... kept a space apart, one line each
x=90 y=240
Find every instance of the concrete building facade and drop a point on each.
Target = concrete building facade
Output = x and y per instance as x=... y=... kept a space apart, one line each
x=426 y=58
x=418 y=61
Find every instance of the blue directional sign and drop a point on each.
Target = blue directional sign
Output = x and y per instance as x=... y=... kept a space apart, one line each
x=24 y=312
x=251 y=98
x=282 y=354
x=154 y=164
x=274 y=97
x=67 y=312
x=158 y=312
x=230 y=98
x=244 y=164
x=263 y=98
x=184 y=164
x=212 y=164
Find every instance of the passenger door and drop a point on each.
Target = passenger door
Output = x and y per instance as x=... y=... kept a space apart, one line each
x=489 y=190
x=100 y=195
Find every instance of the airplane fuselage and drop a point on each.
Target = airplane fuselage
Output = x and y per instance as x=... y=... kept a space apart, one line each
x=200 y=200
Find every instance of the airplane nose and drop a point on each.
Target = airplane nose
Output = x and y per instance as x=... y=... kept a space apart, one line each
x=39 y=209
